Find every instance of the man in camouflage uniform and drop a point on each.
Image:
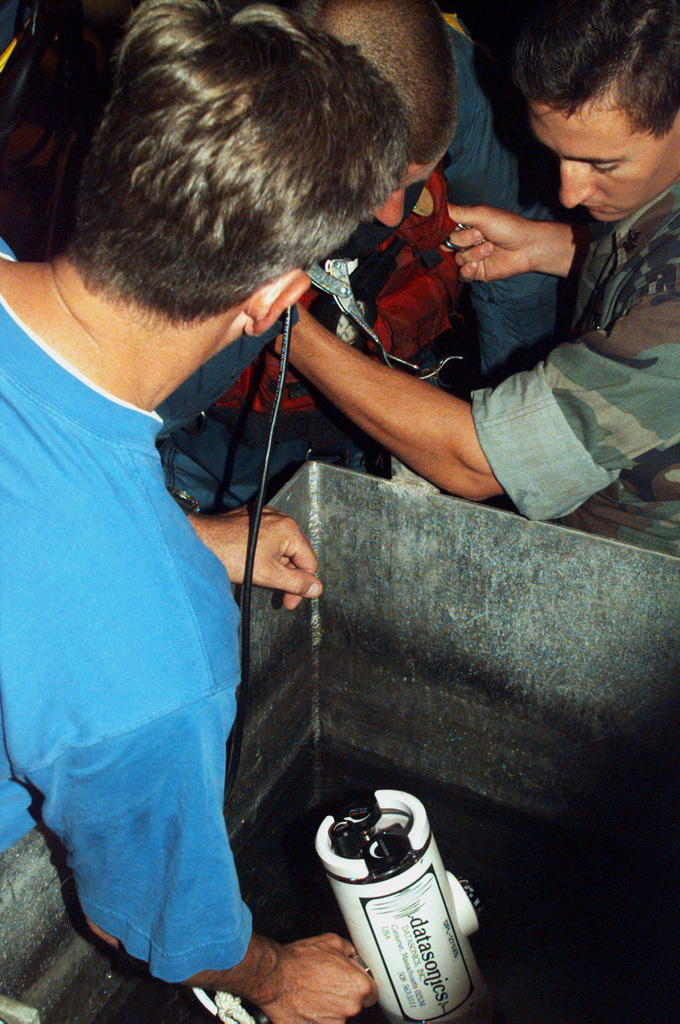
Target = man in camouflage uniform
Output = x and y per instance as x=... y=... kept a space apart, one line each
x=591 y=437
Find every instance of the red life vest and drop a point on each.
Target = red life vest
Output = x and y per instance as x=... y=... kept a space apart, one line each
x=414 y=306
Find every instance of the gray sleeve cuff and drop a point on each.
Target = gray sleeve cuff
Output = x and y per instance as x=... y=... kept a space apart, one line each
x=533 y=452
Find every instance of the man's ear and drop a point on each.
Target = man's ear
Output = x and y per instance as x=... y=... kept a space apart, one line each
x=267 y=303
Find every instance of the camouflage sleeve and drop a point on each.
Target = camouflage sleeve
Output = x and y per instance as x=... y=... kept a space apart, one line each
x=532 y=450
x=560 y=433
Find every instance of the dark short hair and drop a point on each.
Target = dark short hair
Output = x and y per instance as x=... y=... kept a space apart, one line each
x=627 y=52
x=408 y=42
x=237 y=145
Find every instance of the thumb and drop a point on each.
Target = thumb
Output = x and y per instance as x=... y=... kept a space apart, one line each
x=295 y=585
x=460 y=214
x=306 y=584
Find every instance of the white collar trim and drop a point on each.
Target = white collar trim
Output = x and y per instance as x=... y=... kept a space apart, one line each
x=65 y=365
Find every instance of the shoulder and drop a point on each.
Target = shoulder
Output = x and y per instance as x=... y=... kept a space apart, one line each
x=649 y=332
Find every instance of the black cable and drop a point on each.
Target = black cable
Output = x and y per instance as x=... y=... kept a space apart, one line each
x=236 y=735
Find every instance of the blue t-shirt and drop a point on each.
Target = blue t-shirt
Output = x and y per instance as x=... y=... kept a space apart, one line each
x=118 y=666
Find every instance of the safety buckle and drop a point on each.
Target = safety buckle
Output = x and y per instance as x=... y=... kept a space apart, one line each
x=334 y=279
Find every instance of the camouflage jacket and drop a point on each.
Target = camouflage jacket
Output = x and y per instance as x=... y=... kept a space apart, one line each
x=615 y=469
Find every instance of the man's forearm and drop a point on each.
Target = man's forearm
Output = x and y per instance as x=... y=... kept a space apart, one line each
x=254 y=977
x=431 y=431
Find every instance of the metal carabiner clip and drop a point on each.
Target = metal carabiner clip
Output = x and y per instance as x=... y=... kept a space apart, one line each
x=334 y=279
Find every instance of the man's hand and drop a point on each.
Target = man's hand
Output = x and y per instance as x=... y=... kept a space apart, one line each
x=312 y=981
x=498 y=244
x=284 y=560
x=317 y=981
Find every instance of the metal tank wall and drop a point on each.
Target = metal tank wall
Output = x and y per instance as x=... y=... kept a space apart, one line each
x=533 y=664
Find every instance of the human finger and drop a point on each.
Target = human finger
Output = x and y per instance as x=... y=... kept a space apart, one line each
x=462 y=237
x=335 y=941
x=369 y=989
x=469 y=217
x=320 y=980
x=281 y=535
x=475 y=253
x=372 y=995
x=295 y=586
x=292 y=580
x=298 y=552
x=469 y=271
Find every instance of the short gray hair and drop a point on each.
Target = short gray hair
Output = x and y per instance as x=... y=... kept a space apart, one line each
x=408 y=42
x=237 y=145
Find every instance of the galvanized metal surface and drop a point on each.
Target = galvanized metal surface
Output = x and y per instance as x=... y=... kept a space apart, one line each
x=42 y=956
x=532 y=664
x=282 y=705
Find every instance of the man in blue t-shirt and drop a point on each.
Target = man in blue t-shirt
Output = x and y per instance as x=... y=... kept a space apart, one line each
x=118 y=652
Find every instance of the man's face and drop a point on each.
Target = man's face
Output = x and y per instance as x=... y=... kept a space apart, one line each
x=391 y=213
x=605 y=165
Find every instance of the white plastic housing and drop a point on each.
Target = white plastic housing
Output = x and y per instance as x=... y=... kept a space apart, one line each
x=410 y=929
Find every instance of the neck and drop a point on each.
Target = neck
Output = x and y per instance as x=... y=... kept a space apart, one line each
x=133 y=355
